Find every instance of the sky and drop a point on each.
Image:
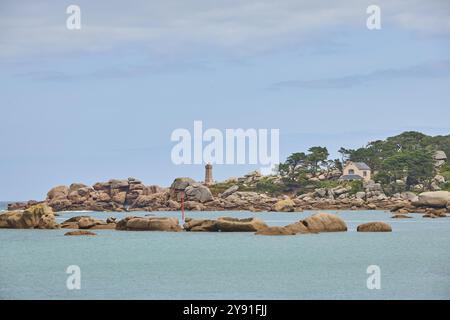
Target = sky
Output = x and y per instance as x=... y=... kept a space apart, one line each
x=101 y=102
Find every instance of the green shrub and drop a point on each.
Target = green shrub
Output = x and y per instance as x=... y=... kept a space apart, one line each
x=445 y=171
x=269 y=186
x=329 y=184
x=356 y=185
x=220 y=187
x=446 y=186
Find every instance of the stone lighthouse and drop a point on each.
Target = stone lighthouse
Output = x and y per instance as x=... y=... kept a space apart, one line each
x=208 y=175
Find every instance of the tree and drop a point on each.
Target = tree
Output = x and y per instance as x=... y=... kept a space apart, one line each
x=376 y=152
x=299 y=164
x=415 y=167
x=345 y=154
x=420 y=166
x=317 y=157
x=293 y=165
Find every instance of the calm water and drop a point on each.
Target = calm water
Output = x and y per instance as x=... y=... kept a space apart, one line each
x=414 y=262
x=3 y=205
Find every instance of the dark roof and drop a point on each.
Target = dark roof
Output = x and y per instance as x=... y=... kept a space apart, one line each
x=351 y=177
x=361 y=166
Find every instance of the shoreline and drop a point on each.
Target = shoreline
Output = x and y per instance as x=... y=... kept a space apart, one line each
x=130 y=195
x=42 y=216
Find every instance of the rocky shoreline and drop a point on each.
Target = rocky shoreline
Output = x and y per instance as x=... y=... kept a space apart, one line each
x=132 y=195
x=41 y=216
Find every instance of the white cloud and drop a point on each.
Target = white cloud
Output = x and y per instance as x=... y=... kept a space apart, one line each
x=428 y=70
x=175 y=26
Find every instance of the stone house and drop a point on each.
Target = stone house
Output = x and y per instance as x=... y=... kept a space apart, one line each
x=356 y=171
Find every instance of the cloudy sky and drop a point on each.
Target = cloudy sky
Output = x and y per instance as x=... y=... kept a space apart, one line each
x=101 y=102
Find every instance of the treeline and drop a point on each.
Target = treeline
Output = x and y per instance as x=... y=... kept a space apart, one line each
x=400 y=162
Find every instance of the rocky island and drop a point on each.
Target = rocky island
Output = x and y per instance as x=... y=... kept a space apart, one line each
x=132 y=195
x=408 y=173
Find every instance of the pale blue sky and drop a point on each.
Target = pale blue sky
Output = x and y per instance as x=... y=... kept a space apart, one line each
x=101 y=102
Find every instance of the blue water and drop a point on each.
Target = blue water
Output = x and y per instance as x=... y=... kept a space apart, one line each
x=3 y=205
x=414 y=261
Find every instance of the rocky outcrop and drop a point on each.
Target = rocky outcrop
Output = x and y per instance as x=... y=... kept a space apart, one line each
x=438 y=199
x=194 y=206
x=198 y=192
x=229 y=191
x=113 y=195
x=319 y=222
x=39 y=216
x=290 y=229
x=276 y=231
x=439 y=213
x=13 y=220
x=148 y=224
x=374 y=227
x=86 y=222
x=299 y=227
x=342 y=198
x=132 y=195
x=193 y=191
x=244 y=200
x=325 y=222
x=13 y=206
x=150 y=202
x=439 y=158
x=285 y=205
x=200 y=225
x=225 y=224
x=80 y=233
x=178 y=187
x=59 y=192
x=400 y=216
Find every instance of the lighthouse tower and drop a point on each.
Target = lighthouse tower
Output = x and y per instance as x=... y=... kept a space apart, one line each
x=208 y=175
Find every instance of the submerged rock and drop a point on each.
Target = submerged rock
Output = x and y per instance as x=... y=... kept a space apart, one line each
x=227 y=224
x=276 y=231
x=325 y=222
x=111 y=220
x=290 y=229
x=148 y=224
x=434 y=215
x=80 y=233
x=374 y=227
x=86 y=222
x=400 y=216
x=204 y=225
x=298 y=227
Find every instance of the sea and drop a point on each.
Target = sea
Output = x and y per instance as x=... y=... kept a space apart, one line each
x=412 y=262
